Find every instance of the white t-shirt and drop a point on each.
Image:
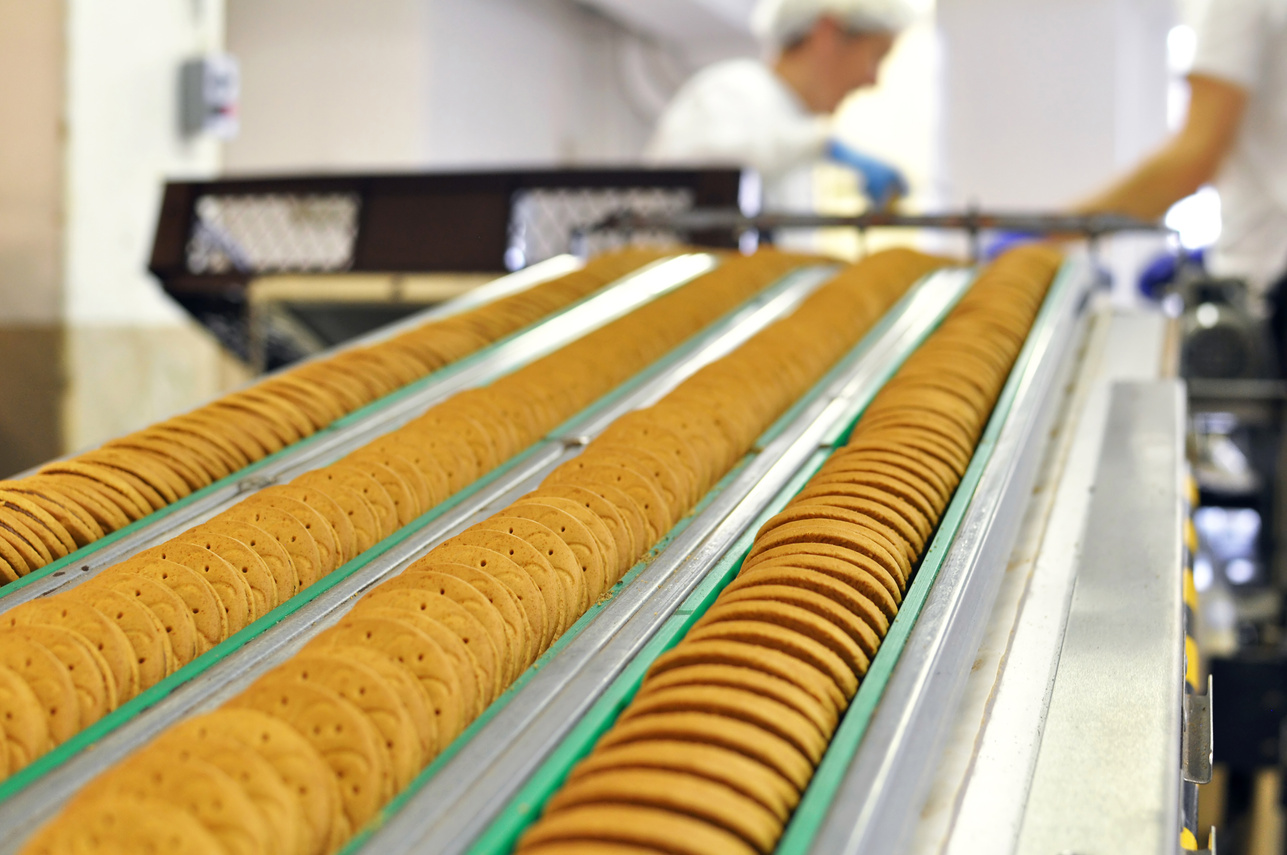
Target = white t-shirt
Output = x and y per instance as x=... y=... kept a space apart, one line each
x=1245 y=42
x=739 y=112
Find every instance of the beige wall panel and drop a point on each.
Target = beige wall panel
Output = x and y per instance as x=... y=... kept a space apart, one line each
x=127 y=377
x=31 y=373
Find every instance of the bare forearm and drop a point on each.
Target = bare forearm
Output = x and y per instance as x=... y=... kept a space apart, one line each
x=1157 y=184
x=1189 y=160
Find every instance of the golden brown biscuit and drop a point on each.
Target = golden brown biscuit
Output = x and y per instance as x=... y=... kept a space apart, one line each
x=121 y=824
x=170 y=610
x=152 y=653
x=675 y=792
x=402 y=642
x=280 y=566
x=244 y=560
x=48 y=680
x=95 y=627
x=26 y=723
x=651 y=827
x=198 y=595
x=337 y=730
x=736 y=771
x=229 y=584
x=301 y=767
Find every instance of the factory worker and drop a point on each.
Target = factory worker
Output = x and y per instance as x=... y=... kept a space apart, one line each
x=776 y=117
x=1236 y=137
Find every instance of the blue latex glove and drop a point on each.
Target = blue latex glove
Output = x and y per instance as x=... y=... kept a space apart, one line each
x=1002 y=241
x=883 y=182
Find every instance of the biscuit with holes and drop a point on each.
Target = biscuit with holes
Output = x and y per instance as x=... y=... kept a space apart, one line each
x=377 y=498
x=301 y=767
x=329 y=550
x=229 y=584
x=493 y=554
x=150 y=642
x=469 y=648
x=24 y=721
x=337 y=730
x=89 y=672
x=594 y=523
x=197 y=787
x=374 y=696
x=105 y=636
x=561 y=557
x=439 y=596
x=722 y=765
x=402 y=642
x=576 y=535
x=247 y=562
x=288 y=530
x=280 y=566
x=271 y=798
x=48 y=680
x=540 y=573
x=198 y=596
x=122 y=824
x=654 y=828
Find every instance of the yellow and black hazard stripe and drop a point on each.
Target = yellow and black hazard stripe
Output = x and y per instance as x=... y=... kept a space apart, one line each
x=1189 y=802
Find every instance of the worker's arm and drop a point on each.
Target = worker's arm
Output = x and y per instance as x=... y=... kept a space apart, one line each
x=1189 y=160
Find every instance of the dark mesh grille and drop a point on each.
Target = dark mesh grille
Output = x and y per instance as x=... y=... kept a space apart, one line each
x=273 y=232
x=544 y=222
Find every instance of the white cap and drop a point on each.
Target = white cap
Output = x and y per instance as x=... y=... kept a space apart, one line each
x=783 y=22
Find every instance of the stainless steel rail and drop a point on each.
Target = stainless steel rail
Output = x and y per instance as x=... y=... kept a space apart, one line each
x=1107 y=777
x=504 y=286
x=879 y=800
x=457 y=804
x=21 y=813
x=329 y=445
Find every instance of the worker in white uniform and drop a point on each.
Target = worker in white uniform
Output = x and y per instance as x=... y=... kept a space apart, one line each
x=776 y=117
x=1235 y=136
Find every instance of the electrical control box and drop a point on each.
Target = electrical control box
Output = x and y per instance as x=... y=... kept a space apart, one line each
x=209 y=92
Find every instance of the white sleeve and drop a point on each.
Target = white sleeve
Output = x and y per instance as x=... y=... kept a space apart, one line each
x=736 y=122
x=1231 y=41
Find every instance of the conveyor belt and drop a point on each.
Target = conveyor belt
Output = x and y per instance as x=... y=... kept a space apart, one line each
x=461 y=794
x=379 y=417
x=484 y=790
x=31 y=795
x=1003 y=460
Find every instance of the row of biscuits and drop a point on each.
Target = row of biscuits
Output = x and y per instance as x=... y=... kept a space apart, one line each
x=68 y=659
x=715 y=749
x=374 y=698
x=73 y=502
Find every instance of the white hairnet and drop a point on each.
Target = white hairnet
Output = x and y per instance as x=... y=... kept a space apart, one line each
x=783 y=22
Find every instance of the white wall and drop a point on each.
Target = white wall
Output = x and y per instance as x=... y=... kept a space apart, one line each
x=132 y=355
x=1044 y=100
x=123 y=142
x=328 y=84
x=31 y=160
x=397 y=84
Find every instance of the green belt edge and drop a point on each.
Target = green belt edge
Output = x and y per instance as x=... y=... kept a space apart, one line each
x=525 y=807
x=86 y=739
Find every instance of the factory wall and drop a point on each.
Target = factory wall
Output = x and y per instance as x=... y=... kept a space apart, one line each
x=31 y=210
x=133 y=356
x=89 y=345
x=400 y=84
x=1045 y=101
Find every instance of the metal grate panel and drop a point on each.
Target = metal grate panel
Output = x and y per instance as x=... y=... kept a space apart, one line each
x=269 y=232
x=544 y=222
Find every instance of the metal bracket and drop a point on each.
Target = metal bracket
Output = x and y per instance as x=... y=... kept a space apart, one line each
x=1197 y=737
